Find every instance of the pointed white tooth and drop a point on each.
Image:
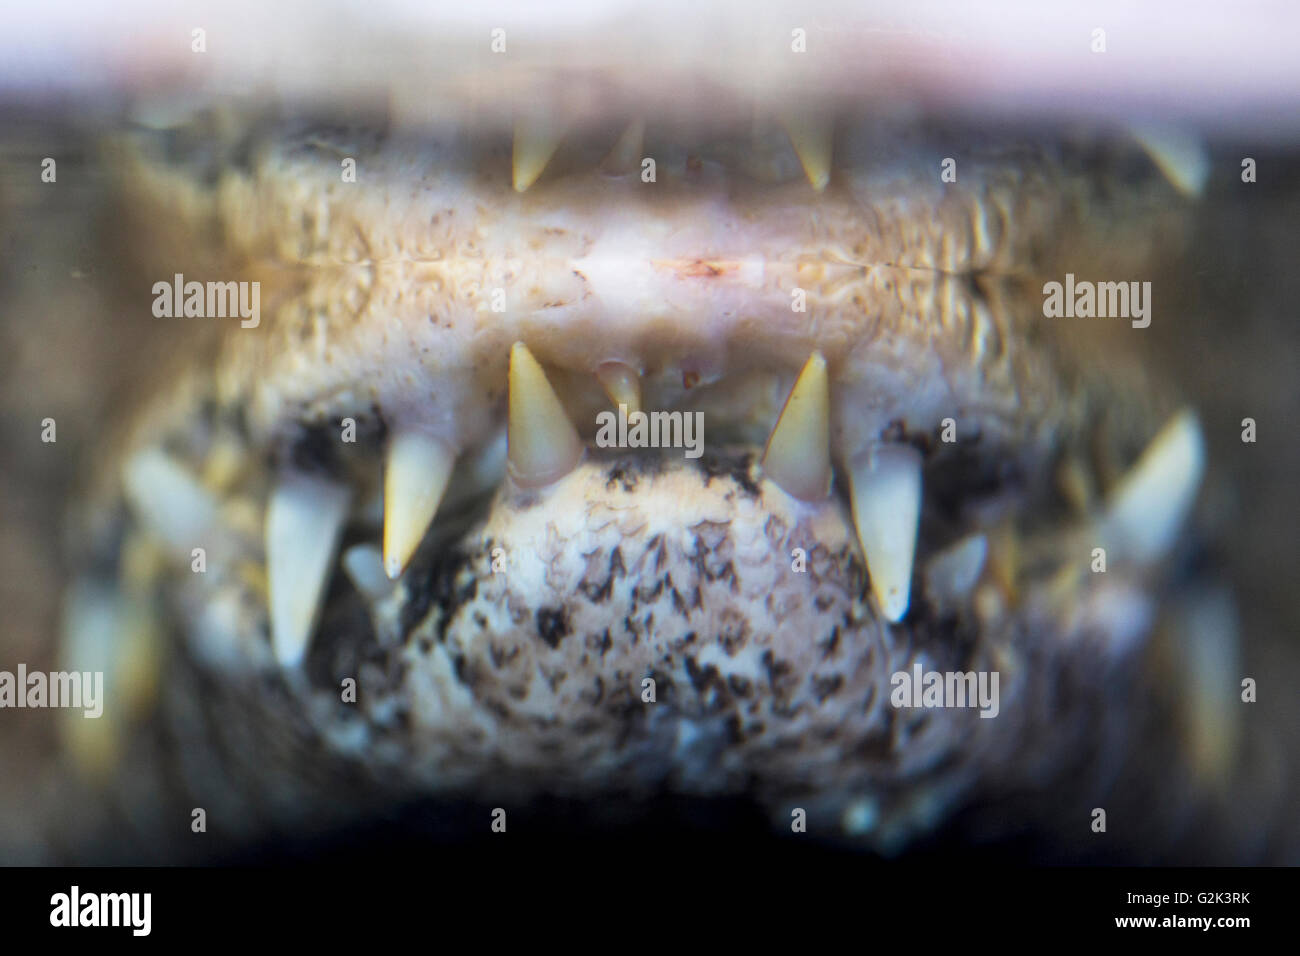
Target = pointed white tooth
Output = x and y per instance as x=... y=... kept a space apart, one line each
x=1207 y=630
x=364 y=564
x=535 y=142
x=798 y=453
x=622 y=383
x=93 y=622
x=625 y=158
x=304 y=518
x=114 y=634
x=1147 y=508
x=813 y=138
x=168 y=500
x=415 y=478
x=885 y=487
x=1179 y=155
x=952 y=573
x=543 y=444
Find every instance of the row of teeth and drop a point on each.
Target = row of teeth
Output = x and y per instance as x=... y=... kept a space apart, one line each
x=535 y=142
x=306 y=515
x=1180 y=157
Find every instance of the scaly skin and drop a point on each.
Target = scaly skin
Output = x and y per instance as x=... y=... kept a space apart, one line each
x=500 y=683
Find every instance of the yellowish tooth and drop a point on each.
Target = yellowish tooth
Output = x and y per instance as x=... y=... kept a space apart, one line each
x=798 y=454
x=111 y=640
x=625 y=158
x=1075 y=485
x=885 y=488
x=415 y=478
x=813 y=138
x=1005 y=562
x=1206 y=651
x=535 y=142
x=622 y=383
x=543 y=444
x=304 y=518
x=1147 y=508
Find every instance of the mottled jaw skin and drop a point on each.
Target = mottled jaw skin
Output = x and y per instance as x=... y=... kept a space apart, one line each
x=434 y=351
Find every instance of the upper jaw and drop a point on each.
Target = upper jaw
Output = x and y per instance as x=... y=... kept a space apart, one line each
x=400 y=295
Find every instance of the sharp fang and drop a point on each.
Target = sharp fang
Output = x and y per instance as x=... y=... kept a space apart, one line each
x=886 y=494
x=621 y=383
x=415 y=478
x=543 y=444
x=303 y=520
x=535 y=144
x=625 y=158
x=798 y=456
x=1148 y=506
x=169 y=500
x=813 y=139
x=1180 y=156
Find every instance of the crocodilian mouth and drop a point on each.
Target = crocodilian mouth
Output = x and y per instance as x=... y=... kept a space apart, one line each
x=396 y=479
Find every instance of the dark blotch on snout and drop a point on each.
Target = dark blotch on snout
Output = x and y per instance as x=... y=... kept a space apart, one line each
x=552 y=625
